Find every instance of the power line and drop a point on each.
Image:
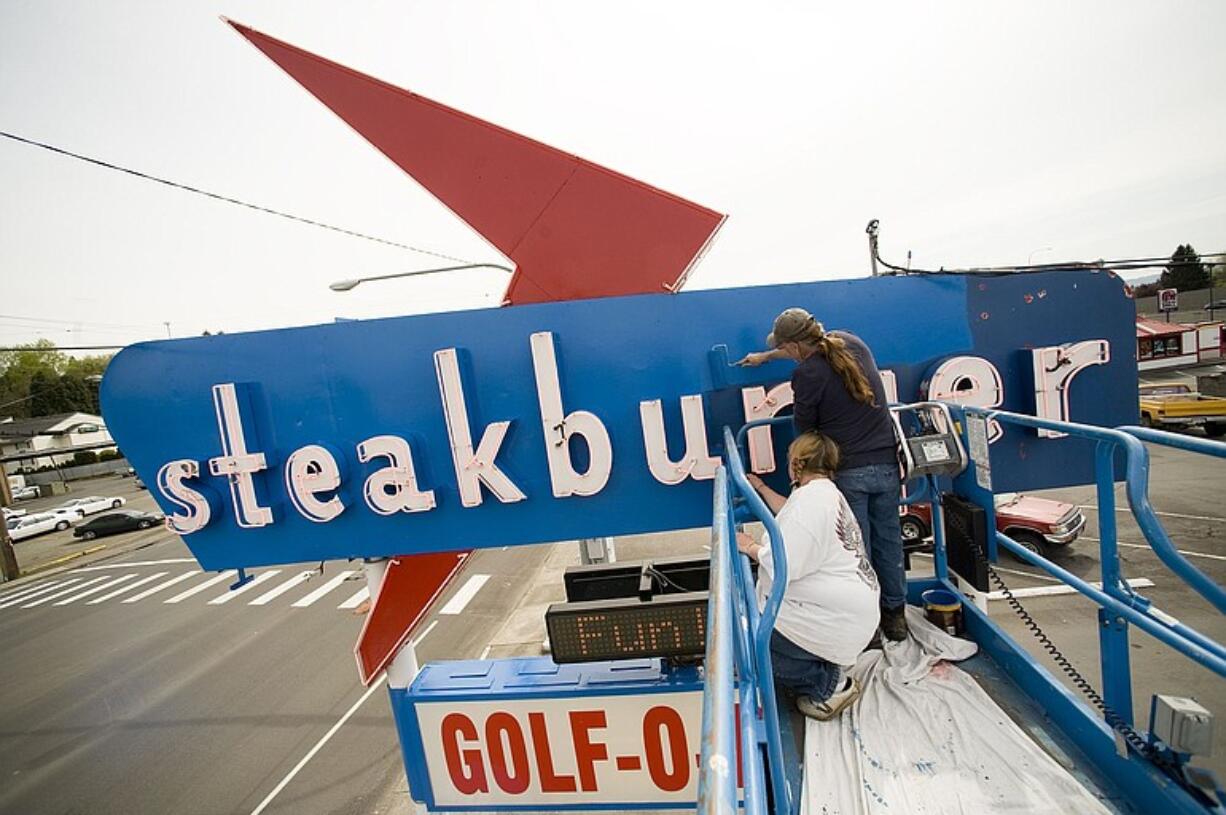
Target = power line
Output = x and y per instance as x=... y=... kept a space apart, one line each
x=216 y=196
x=76 y=322
x=1123 y=264
x=53 y=349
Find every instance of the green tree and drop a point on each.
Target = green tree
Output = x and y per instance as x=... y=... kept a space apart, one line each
x=64 y=382
x=1185 y=272
x=44 y=393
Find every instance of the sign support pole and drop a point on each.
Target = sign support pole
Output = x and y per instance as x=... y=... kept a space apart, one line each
x=8 y=558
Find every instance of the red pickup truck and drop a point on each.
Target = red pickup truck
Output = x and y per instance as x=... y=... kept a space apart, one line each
x=1039 y=524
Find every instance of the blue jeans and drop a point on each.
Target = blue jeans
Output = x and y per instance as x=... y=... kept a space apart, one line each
x=801 y=672
x=873 y=492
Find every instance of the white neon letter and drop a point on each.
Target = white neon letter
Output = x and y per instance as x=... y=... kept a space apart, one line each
x=697 y=462
x=560 y=426
x=235 y=462
x=972 y=381
x=393 y=488
x=471 y=469
x=759 y=404
x=197 y=511
x=309 y=471
x=1054 y=369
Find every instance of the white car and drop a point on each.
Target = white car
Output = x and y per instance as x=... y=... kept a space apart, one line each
x=22 y=493
x=28 y=526
x=91 y=504
x=13 y=513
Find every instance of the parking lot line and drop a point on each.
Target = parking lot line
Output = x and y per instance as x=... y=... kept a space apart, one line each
x=91 y=592
x=126 y=588
x=172 y=581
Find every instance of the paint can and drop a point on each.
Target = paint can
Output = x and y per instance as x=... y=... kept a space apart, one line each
x=944 y=610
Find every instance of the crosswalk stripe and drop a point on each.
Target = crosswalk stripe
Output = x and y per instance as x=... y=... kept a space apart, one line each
x=55 y=595
x=91 y=592
x=212 y=581
x=324 y=589
x=171 y=582
x=126 y=588
x=250 y=584
x=12 y=598
x=268 y=597
x=466 y=593
x=357 y=599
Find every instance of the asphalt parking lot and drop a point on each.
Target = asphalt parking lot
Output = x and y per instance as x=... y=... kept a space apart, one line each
x=53 y=549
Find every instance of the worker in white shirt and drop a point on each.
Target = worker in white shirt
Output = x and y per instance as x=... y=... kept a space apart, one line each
x=830 y=605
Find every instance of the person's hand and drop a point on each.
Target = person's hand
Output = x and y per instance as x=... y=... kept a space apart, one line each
x=746 y=544
x=755 y=359
x=757 y=483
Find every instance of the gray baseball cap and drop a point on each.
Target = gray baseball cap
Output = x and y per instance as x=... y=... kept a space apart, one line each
x=790 y=326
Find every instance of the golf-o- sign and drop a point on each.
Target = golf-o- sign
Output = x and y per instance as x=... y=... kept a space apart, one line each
x=548 y=422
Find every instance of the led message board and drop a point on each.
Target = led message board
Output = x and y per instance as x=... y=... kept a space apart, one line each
x=577 y=419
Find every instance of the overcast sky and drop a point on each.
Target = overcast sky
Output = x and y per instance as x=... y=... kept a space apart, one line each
x=978 y=133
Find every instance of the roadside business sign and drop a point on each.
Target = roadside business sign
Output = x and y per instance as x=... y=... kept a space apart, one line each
x=1168 y=299
x=526 y=734
x=567 y=420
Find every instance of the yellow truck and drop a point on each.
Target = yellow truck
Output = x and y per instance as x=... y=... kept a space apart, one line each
x=1178 y=407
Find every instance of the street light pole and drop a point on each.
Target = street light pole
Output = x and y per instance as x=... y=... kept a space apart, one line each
x=346 y=285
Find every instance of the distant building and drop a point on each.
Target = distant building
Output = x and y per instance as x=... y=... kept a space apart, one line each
x=1172 y=345
x=50 y=433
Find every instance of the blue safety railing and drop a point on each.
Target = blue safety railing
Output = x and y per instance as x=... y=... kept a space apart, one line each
x=734 y=613
x=1120 y=604
x=746 y=665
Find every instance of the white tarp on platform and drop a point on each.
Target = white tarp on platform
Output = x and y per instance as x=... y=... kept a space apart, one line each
x=925 y=738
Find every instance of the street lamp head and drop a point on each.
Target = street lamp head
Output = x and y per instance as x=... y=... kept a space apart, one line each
x=344 y=285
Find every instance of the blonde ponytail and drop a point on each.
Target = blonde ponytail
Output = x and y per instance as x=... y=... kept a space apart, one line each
x=834 y=349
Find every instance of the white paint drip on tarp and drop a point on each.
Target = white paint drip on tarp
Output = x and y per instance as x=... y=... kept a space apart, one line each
x=925 y=738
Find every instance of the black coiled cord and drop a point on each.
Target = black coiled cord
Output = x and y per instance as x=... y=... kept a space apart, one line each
x=1113 y=719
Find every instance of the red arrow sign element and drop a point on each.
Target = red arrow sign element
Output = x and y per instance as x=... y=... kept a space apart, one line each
x=574 y=229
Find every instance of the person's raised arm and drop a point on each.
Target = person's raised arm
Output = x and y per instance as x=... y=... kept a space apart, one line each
x=756 y=358
x=774 y=501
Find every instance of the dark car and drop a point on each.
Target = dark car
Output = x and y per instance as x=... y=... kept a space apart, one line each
x=115 y=522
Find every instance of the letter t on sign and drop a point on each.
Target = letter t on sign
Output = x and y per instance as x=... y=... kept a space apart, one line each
x=235 y=462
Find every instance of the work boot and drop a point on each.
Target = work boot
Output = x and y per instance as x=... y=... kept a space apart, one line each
x=828 y=709
x=894 y=623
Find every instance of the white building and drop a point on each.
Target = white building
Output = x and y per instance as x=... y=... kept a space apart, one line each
x=50 y=433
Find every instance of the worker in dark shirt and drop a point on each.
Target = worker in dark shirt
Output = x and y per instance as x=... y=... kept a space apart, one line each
x=837 y=390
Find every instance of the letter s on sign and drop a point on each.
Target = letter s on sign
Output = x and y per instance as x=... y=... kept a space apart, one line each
x=197 y=504
x=465 y=767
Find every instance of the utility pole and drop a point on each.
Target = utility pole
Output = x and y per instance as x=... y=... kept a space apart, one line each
x=874 y=226
x=8 y=558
